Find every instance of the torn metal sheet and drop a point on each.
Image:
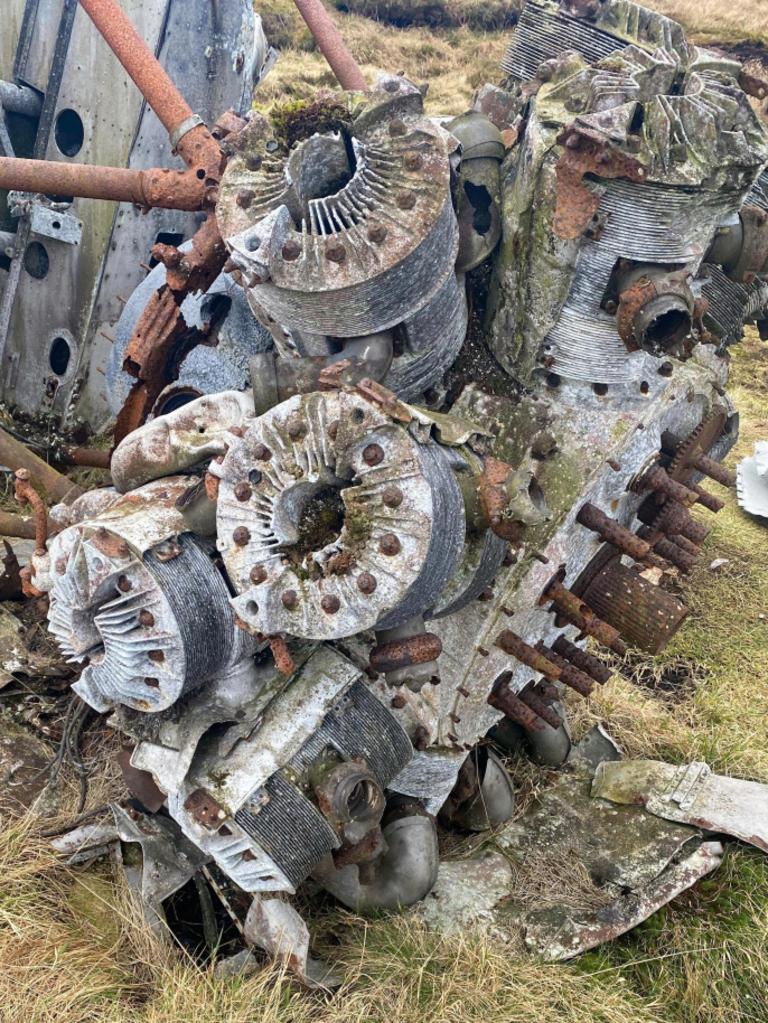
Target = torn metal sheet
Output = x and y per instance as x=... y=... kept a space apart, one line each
x=276 y=927
x=559 y=934
x=752 y=481
x=168 y=860
x=690 y=794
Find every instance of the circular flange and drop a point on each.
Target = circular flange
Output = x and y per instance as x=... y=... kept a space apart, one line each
x=333 y=519
x=700 y=441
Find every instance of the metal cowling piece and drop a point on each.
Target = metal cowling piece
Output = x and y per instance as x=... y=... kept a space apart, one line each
x=645 y=615
x=333 y=519
x=142 y=607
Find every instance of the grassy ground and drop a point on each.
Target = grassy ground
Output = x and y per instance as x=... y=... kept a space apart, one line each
x=72 y=951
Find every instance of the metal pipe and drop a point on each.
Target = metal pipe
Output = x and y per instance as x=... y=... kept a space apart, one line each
x=16 y=455
x=91 y=458
x=20 y=99
x=16 y=526
x=158 y=187
x=331 y=44
x=189 y=137
x=26 y=494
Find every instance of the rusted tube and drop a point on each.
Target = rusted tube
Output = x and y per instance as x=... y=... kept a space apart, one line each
x=16 y=526
x=584 y=618
x=90 y=458
x=715 y=470
x=26 y=494
x=660 y=481
x=571 y=676
x=531 y=698
x=707 y=500
x=332 y=46
x=582 y=660
x=16 y=455
x=512 y=706
x=516 y=647
x=158 y=187
x=611 y=531
x=195 y=146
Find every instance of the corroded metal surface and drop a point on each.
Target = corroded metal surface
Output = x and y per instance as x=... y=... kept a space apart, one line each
x=307 y=602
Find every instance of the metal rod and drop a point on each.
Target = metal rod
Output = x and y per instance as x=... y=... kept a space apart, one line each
x=195 y=145
x=20 y=99
x=91 y=458
x=331 y=44
x=15 y=455
x=16 y=526
x=161 y=188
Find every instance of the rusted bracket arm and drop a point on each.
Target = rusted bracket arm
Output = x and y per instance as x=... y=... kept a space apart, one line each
x=331 y=44
x=189 y=137
x=165 y=189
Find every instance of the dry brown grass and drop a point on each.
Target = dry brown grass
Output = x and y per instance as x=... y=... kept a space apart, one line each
x=713 y=21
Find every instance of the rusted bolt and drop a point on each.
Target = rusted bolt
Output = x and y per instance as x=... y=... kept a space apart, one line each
x=290 y=600
x=486 y=595
x=405 y=653
x=243 y=492
x=258 y=575
x=333 y=429
x=253 y=163
x=157 y=656
x=392 y=497
x=666 y=369
x=261 y=453
x=336 y=252
x=241 y=536
x=420 y=738
x=124 y=584
x=377 y=233
x=413 y=161
x=397 y=127
x=389 y=545
x=398 y=701
x=373 y=454
x=147 y=619
x=406 y=200
x=153 y=683
x=330 y=604
x=366 y=583
x=611 y=308
x=296 y=429
x=244 y=198
x=291 y=251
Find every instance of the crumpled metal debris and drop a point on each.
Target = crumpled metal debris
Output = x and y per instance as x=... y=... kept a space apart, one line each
x=752 y=481
x=275 y=926
x=691 y=794
x=574 y=871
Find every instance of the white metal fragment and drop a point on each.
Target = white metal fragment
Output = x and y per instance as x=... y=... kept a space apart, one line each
x=690 y=794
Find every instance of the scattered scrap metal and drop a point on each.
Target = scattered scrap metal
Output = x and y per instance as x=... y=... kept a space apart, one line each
x=413 y=418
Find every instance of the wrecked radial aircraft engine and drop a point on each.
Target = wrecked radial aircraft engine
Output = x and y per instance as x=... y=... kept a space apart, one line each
x=309 y=604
